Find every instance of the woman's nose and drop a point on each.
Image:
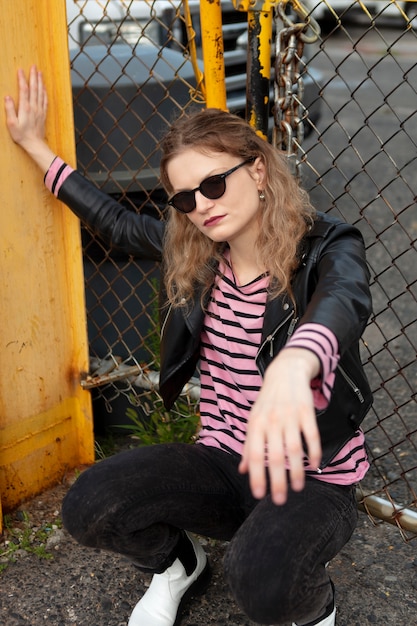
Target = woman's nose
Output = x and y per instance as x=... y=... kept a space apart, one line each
x=202 y=203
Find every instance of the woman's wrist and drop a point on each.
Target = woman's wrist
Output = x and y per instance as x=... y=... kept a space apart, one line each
x=300 y=359
x=39 y=152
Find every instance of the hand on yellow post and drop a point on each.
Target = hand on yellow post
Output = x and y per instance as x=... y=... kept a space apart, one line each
x=26 y=119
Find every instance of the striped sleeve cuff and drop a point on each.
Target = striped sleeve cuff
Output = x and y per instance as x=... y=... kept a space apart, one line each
x=56 y=175
x=323 y=343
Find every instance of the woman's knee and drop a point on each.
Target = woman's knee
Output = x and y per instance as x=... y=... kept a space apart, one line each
x=262 y=592
x=83 y=504
x=106 y=499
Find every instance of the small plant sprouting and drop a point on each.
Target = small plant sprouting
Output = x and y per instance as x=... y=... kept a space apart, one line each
x=20 y=536
x=180 y=425
x=155 y=424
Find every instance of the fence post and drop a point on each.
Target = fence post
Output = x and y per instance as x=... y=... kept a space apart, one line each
x=259 y=69
x=213 y=53
x=46 y=423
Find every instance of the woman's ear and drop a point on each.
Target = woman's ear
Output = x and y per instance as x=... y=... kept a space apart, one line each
x=259 y=172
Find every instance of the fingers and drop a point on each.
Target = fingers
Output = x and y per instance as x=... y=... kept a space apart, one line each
x=274 y=448
x=10 y=108
x=24 y=99
x=277 y=470
x=33 y=87
x=44 y=95
x=253 y=462
x=37 y=92
x=298 y=454
x=32 y=93
x=293 y=460
x=313 y=442
x=39 y=95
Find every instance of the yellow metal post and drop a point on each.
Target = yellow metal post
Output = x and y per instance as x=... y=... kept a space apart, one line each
x=45 y=416
x=259 y=70
x=259 y=60
x=213 y=53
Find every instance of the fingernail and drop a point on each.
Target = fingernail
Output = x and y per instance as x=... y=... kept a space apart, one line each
x=258 y=493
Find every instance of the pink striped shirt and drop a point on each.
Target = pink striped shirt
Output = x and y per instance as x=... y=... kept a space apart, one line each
x=230 y=380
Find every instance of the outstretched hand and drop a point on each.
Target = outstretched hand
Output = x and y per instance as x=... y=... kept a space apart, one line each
x=281 y=419
x=26 y=119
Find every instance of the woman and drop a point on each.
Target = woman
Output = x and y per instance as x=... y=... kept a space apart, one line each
x=270 y=299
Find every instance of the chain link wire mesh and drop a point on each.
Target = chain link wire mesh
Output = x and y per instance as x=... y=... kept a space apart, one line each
x=132 y=74
x=359 y=163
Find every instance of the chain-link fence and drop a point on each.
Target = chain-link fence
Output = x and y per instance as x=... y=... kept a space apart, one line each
x=359 y=162
x=349 y=122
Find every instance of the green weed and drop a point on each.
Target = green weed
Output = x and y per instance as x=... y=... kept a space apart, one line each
x=180 y=425
x=154 y=424
x=19 y=535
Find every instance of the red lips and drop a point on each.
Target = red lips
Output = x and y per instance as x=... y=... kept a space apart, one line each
x=212 y=221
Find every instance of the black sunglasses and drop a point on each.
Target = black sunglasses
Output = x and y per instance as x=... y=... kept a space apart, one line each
x=212 y=187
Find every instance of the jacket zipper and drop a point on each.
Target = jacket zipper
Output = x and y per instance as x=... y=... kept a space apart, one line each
x=292 y=326
x=165 y=321
x=351 y=384
x=270 y=338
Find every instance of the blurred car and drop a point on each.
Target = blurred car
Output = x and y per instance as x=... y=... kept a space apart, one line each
x=321 y=11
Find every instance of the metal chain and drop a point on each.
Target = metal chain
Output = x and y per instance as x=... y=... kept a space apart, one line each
x=288 y=132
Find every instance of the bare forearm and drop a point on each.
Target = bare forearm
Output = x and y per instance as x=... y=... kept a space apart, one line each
x=40 y=153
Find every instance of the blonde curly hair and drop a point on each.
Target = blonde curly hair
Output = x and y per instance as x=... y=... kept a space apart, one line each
x=190 y=258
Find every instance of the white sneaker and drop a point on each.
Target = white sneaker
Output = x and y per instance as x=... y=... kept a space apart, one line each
x=162 y=603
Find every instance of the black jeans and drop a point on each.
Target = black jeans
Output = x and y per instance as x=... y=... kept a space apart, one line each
x=134 y=503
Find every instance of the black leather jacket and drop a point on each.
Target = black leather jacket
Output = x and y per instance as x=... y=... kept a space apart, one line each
x=331 y=287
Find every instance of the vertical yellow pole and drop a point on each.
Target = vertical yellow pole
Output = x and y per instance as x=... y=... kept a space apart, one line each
x=259 y=70
x=45 y=416
x=213 y=53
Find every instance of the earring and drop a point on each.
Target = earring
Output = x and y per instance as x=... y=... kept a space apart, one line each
x=261 y=195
